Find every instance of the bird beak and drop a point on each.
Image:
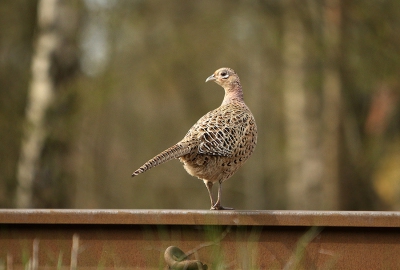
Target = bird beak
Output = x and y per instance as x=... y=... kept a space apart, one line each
x=211 y=78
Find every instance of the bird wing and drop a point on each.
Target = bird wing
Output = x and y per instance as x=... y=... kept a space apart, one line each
x=219 y=131
x=216 y=143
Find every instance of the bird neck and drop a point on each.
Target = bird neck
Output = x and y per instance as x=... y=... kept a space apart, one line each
x=234 y=94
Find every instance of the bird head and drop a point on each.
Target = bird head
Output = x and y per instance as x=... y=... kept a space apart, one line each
x=226 y=77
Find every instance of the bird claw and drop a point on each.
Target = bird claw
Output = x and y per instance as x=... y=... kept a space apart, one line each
x=220 y=207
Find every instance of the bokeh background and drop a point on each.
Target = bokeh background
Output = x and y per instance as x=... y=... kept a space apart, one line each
x=91 y=89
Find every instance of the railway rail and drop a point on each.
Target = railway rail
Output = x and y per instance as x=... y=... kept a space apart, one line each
x=139 y=239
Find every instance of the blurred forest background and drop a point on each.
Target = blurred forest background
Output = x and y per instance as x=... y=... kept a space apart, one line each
x=91 y=89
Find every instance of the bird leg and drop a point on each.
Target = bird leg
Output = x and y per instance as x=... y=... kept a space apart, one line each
x=209 y=186
x=217 y=205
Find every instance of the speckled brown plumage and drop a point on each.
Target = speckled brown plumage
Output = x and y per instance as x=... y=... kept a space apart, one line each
x=219 y=143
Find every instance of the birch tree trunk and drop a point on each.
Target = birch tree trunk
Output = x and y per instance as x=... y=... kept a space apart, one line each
x=40 y=97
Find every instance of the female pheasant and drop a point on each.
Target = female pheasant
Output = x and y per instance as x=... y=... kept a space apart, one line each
x=219 y=143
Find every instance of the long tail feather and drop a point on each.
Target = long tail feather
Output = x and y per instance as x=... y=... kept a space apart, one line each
x=171 y=153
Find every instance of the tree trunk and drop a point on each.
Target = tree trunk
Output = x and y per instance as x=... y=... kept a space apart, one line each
x=332 y=103
x=312 y=134
x=305 y=166
x=294 y=104
x=40 y=97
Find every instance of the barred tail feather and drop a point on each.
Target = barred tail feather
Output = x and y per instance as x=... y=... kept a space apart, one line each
x=171 y=153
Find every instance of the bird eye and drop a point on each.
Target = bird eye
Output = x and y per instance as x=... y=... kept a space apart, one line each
x=224 y=74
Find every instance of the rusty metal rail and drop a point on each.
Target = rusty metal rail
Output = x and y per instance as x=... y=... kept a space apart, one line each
x=137 y=239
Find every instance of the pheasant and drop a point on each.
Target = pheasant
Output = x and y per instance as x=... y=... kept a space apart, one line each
x=219 y=143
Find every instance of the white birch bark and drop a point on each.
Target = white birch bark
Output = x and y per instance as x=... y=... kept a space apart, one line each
x=40 y=97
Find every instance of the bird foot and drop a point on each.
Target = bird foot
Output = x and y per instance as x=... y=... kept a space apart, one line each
x=220 y=207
